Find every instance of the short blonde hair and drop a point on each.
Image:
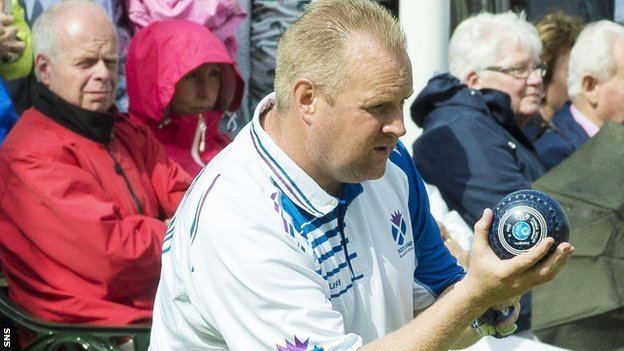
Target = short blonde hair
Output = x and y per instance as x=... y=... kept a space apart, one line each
x=314 y=46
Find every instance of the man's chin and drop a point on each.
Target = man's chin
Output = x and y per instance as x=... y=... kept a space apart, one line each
x=98 y=106
x=373 y=173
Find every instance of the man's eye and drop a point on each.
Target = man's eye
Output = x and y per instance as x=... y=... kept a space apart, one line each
x=378 y=107
x=86 y=63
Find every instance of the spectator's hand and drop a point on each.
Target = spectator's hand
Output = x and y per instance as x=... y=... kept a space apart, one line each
x=11 y=47
x=462 y=256
x=492 y=281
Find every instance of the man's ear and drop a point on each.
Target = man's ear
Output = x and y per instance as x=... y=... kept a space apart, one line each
x=473 y=80
x=590 y=89
x=304 y=98
x=42 y=68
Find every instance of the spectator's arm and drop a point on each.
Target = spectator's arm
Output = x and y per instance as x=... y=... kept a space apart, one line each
x=69 y=217
x=166 y=175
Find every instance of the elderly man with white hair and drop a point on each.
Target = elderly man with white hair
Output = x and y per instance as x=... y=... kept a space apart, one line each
x=596 y=88
x=472 y=147
x=85 y=194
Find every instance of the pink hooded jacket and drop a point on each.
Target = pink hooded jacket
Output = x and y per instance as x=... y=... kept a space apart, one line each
x=159 y=56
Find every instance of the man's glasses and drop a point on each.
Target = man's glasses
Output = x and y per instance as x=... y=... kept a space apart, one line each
x=520 y=72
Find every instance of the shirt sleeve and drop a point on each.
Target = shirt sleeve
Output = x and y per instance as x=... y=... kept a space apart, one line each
x=436 y=268
x=259 y=287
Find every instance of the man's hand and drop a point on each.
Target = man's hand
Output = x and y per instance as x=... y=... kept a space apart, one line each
x=11 y=48
x=493 y=281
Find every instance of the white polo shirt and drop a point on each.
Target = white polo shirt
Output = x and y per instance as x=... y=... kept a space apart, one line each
x=259 y=257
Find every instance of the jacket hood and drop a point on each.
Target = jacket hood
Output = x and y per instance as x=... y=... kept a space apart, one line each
x=162 y=53
x=445 y=90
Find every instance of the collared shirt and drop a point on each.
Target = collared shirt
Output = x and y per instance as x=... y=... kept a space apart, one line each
x=588 y=126
x=260 y=257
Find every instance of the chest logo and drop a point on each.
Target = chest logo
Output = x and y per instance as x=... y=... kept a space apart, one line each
x=399 y=229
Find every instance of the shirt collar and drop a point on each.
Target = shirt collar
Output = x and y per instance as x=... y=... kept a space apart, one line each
x=588 y=126
x=289 y=177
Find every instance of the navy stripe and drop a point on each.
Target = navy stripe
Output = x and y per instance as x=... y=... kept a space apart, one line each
x=340 y=267
x=311 y=207
x=326 y=236
x=334 y=250
x=318 y=222
x=341 y=292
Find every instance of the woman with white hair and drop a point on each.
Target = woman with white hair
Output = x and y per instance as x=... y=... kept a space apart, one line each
x=472 y=147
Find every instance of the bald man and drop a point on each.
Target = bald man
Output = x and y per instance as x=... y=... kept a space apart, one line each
x=85 y=195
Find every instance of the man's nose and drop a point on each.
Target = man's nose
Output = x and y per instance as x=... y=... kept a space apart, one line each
x=102 y=71
x=396 y=125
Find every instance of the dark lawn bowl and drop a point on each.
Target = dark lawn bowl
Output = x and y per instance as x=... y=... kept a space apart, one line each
x=523 y=219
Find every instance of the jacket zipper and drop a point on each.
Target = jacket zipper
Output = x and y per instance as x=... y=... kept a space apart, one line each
x=121 y=172
x=199 y=140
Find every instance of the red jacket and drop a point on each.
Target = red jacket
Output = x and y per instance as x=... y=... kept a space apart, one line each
x=73 y=245
x=159 y=56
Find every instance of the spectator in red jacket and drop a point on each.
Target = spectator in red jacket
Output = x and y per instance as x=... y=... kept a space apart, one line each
x=85 y=194
x=181 y=81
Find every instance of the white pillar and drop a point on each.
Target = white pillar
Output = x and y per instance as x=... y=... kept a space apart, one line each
x=426 y=24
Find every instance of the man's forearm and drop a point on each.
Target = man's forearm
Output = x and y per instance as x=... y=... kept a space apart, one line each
x=467 y=338
x=442 y=326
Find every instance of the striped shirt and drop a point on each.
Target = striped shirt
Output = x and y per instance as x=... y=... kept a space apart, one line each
x=259 y=257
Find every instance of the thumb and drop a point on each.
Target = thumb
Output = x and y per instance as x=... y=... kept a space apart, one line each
x=482 y=227
x=5 y=19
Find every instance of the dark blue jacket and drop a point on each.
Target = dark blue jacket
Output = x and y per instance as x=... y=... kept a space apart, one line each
x=471 y=147
x=559 y=142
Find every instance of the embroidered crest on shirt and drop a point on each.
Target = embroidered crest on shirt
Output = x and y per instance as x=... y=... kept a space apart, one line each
x=399 y=228
x=297 y=346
